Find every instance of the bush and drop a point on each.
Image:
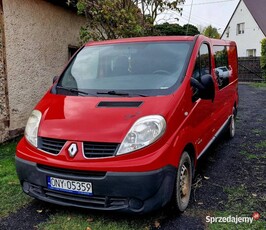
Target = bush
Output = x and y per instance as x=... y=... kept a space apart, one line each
x=263 y=58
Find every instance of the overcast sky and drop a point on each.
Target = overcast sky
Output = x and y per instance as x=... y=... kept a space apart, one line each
x=204 y=12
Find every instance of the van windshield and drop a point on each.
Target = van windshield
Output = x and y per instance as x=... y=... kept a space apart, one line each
x=128 y=68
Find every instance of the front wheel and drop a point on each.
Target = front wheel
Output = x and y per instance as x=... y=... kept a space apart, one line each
x=183 y=183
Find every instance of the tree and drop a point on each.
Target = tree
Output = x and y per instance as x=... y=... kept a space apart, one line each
x=263 y=58
x=211 y=32
x=169 y=29
x=152 y=8
x=111 y=19
x=175 y=29
x=190 y=30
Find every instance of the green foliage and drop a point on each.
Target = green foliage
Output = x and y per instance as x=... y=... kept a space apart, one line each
x=111 y=19
x=81 y=7
x=211 y=32
x=263 y=57
x=175 y=29
x=190 y=30
x=258 y=84
x=169 y=29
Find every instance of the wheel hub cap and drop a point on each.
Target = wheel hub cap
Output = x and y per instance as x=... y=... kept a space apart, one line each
x=184 y=181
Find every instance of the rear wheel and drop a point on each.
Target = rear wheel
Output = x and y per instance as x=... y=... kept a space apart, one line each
x=232 y=127
x=183 y=183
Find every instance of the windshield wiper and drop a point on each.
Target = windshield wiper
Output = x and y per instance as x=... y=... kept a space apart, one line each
x=116 y=93
x=73 y=90
x=112 y=92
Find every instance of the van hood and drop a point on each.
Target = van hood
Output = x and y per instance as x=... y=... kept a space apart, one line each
x=96 y=119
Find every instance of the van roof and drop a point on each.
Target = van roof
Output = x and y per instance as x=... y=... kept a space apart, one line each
x=143 y=39
x=162 y=39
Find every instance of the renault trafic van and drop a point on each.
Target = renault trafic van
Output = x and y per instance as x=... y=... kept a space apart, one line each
x=124 y=124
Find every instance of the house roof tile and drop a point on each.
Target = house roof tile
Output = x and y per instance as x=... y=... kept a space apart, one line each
x=257 y=9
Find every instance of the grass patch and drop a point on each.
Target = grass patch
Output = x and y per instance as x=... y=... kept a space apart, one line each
x=256 y=131
x=255 y=225
x=237 y=197
x=12 y=197
x=241 y=203
x=243 y=145
x=73 y=220
x=261 y=144
x=258 y=84
x=249 y=155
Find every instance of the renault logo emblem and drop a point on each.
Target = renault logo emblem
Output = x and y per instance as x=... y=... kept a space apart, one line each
x=72 y=150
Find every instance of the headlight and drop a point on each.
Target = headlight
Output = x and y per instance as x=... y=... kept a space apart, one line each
x=145 y=131
x=31 y=130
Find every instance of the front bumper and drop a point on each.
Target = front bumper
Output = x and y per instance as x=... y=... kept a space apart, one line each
x=125 y=191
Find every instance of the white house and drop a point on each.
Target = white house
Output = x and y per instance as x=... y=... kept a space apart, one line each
x=247 y=27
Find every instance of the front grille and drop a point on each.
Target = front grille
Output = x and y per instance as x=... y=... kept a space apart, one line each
x=98 y=150
x=90 y=149
x=50 y=145
x=96 y=202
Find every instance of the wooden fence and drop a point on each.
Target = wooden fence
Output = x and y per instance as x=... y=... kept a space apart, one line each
x=249 y=69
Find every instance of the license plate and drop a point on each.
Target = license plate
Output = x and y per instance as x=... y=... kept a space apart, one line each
x=71 y=186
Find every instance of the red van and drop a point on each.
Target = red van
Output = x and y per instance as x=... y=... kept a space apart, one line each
x=123 y=126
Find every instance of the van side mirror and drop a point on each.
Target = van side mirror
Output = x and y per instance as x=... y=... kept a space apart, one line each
x=55 y=78
x=204 y=88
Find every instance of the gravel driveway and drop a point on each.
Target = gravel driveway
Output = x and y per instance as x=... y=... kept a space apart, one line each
x=237 y=163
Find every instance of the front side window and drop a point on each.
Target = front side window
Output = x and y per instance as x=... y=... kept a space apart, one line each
x=202 y=65
x=150 y=67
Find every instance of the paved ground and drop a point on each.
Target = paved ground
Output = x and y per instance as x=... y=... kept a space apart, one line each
x=228 y=164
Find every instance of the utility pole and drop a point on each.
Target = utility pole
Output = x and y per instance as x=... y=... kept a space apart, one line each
x=142 y=7
x=189 y=16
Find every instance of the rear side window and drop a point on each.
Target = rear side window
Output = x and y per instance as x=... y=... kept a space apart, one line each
x=223 y=70
x=221 y=56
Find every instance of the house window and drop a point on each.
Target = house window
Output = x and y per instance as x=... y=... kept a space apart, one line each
x=240 y=28
x=72 y=50
x=251 y=52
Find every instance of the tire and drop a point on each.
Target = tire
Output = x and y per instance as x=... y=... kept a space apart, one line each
x=183 y=183
x=232 y=126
